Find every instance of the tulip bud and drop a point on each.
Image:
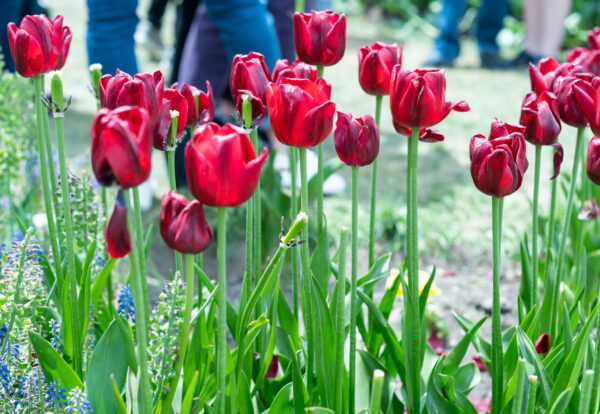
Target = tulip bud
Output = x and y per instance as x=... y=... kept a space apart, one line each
x=200 y=104
x=570 y=108
x=249 y=75
x=320 y=37
x=542 y=345
x=297 y=69
x=539 y=115
x=118 y=242
x=356 y=139
x=375 y=65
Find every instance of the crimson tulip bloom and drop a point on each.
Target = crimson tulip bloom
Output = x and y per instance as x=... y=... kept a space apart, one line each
x=116 y=234
x=418 y=98
x=588 y=97
x=183 y=226
x=592 y=165
x=300 y=111
x=258 y=107
x=570 y=107
x=594 y=38
x=375 y=65
x=121 y=146
x=499 y=162
x=200 y=104
x=320 y=37
x=221 y=167
x=249 y=73
x=296 y=69
x=177 y=102
x=539 y=115
x=587 y=59
x=356 y=139
x=39 y=44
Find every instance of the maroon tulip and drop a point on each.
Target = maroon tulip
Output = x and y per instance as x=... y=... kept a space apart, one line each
x=592 y=165
x=539 y=116
x=39 y=44
x=594 y=38
x=418 y=98
x=499 y=162
x=300 y=111
x=297 y=69
x=589 y=211
x=176 y=102
x=249 y=73
x=258 y=107
x=356 y=139
x=588 y=97
x=570 y=108
x=118 y=242
x=121 y=146
x=320 y=37
x=587 y=59
x=558 y=159
x=542 y=345
x=273 y=366
x=544 y=76
x=183 y=226
x=375 y=65
x=201 y=107
x=221 y=167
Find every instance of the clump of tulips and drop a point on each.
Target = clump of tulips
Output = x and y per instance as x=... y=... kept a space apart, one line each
x=256 y=352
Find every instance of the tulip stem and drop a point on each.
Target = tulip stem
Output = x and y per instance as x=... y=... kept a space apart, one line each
x=49 y=153
x=141 y=331
x=497 y=352
x=57 y=97
x=222 y=306
x=552 y=214
x=306 y=277
x=534 y=229
x=532 y=393
x=353 y=294
x=412 y=317
x=340 y=327
x=247 y=116
x=320 y=174
x=171 y=147
x=293 y=156
x=565 y=233
x=38 y=87
x=139 y=234
x=257 y=213
x=372 y=216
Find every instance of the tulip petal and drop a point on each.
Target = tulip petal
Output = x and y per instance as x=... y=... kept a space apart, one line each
x=118 y=242
x=558 y=159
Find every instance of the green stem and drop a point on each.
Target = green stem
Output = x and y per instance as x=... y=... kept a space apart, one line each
x=257 y=213
x=552 y=214
x=306 y=277
x=519 y=388
x=496 y=321
x=39 y=108
x=247 y=117
x=586 y=392
x=376 y=391
x=565 y=233
x=49 y=155
x=533 y=385
x=595 y=400
x=293 y=156
x=141 y=321
x=57 y=96
x=320 y=174
x=141 y=250
x=222 y=306
x=353 y=294
x=534 y=228
x=340 y=327
x=171 y=147
x=372 y=216
x=413 y=317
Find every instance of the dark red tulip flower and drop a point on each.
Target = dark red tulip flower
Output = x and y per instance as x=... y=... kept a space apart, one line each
x=545 y=74
x=221 y=167
x=570 y=109
x=258 y=107
x=499 y=162
x=296 y=69
x=250 y=73
x=375 y=65
x=539 y=115
x=558 y=159
x=479 y=363
x=587 y=59
x=418 y=98
x=300 y=111
x=320 y=37
x=201 y=106
x=356 y=139
x=592 y=165
x=588 y=97
x=589 y=211
x=542 y=345
x=176 y=102
x=273 y=366
x=118 y=242
x=594 y=38
x=39 y=44
x=121 y=146
x=183 y=226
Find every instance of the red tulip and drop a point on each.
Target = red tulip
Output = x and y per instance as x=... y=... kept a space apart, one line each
x=320 y=37
x=249 y=73
x=201 y=107
x=592 y=165
x=587 y=59
x=594 y=38
x=118 y=242
x=121 y=146
x=545 y=75
x=499 y=162
x=183 y=226
x=588 y=98
x=39 y=44
x=221 y=167
x=570 y=107
x=300 y=111
x=356 y=139
x=375 y=65
x=418 y=98
x=539 y=114
x=258 y=107
x=297 y=69
x=177 y=102
x=542 y=345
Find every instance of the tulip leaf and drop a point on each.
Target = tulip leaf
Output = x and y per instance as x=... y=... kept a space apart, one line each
x=481 y=345
x=53 y=365
x=283 y=402
x=561 y=402
x=121 y=408
x=84 y=292
x=526 y=276
x=452 y=361
x=319 y=261
x=527 y=352
x=100 y=281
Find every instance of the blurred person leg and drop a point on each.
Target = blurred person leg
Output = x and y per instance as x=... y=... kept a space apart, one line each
x=544 y=22
x=490 y=20
x=282 y=12
x=111 y=26
x=148 y=31
x=446 y=47
x=10 y=11
x=185 y=13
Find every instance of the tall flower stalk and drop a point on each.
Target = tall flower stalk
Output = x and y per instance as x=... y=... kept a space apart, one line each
x=497 y=352
x=171 y=147
x=221 y=356
x=373 y=209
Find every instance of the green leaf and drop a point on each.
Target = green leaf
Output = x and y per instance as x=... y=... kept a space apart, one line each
x=378 y=271
x=283 y=403
x=287 y=321
x=454 y=358
x=319 y=262
x=482 y=346
x=186 y=405
x=84 y=292
x=52 y=363
x=425 y=294
x=527 y=351
x=561 y=402
x=120 y=404
x=300 y=393
x=526 y=276
x=100 y=281
x=320 y=410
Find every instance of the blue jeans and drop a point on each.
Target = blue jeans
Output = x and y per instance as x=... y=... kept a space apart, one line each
x=489 y=23
x=111 y=26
